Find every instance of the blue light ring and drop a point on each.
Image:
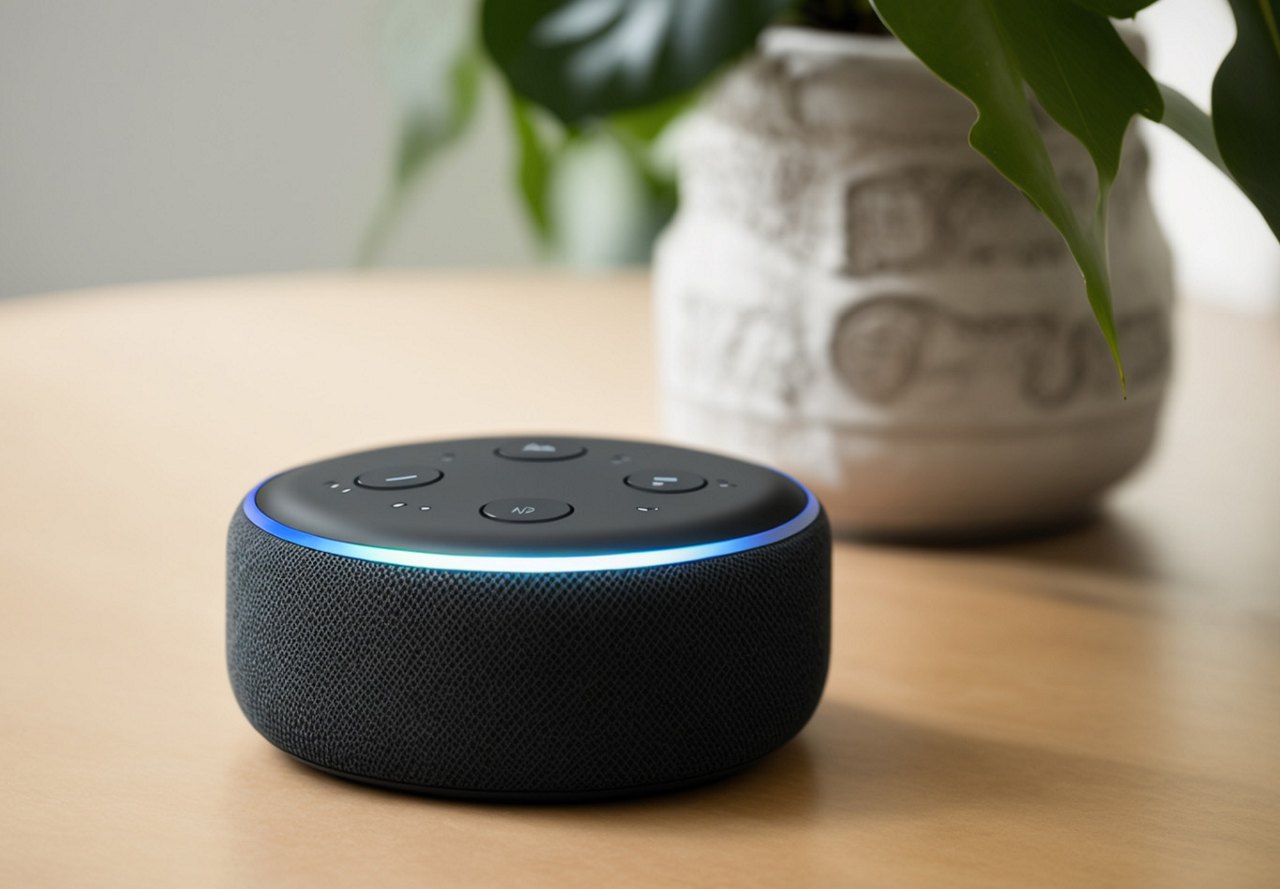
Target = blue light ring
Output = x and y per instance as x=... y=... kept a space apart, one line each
x=533 y=564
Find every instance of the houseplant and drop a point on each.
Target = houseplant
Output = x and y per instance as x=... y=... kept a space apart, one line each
x=578 y=69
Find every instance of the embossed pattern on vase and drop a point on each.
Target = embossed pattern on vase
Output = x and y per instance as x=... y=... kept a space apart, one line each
x=844 y=270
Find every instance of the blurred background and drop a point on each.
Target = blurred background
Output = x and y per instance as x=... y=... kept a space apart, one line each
x=144 y=140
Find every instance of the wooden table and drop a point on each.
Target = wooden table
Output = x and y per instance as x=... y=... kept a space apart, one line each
x=1099 y=708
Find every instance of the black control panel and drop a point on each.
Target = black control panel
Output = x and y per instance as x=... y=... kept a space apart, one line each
x=537 y=495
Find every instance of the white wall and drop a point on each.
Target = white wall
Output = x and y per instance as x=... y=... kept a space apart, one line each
x=1223 y=250
x=147 y=139
x=144 y=139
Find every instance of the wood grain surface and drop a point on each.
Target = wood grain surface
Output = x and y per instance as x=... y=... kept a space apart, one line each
x=1099 y=708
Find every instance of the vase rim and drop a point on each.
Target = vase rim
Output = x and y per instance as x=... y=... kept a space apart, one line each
x=796 y=40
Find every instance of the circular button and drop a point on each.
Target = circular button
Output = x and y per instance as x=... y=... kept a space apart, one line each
x=398 y=477
x=540 y=450
x=666 y=481
x=525 y=509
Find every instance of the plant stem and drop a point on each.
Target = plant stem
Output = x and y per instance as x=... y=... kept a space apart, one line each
x=380 y=225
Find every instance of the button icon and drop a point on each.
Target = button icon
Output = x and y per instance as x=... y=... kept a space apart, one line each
x=541 y=449
x=528 y=509
x=395 y=478
x=666 y=481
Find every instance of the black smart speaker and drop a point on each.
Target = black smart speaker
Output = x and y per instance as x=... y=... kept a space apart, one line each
x=539 y=618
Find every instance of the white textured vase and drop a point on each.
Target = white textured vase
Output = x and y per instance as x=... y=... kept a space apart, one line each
x=851 y=293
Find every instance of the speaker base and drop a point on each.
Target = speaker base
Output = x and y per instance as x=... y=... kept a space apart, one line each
x=534 y=797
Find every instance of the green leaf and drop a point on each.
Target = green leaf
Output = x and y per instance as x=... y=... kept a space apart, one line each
x=1246 y=106
x=533 y=167
x=585 y=59
x=544 y=147
x=428 y=127
x=1083 y=75
x=1186 y=119
x=659 y=180
x=434 y=65
x=649 y=122
x=606 y=207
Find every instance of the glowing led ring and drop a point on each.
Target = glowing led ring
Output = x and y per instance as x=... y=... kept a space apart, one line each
x=533 y=564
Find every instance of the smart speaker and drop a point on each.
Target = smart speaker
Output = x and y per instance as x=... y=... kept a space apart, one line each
x=529 y=618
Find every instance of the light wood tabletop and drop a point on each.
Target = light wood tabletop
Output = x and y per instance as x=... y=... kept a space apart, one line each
x=1098 y=708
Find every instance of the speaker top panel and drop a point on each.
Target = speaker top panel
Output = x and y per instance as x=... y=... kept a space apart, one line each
x=504 y=503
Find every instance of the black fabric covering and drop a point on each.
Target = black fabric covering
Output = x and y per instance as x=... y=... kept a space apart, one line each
x=524 y=683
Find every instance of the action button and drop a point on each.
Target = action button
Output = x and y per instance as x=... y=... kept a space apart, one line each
x=528 y=509
x=398 y=477
x=666 y=481
x=540 y=450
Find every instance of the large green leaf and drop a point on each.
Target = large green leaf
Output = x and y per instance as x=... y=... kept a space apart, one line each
x=434 y=66
x=585 y=59
x=1083 y=75
x=1246 y=106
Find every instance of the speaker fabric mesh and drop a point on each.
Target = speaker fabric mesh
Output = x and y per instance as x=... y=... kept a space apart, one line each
x=527 y=683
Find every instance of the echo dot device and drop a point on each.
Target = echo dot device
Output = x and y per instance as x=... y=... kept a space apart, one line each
x=537 y=618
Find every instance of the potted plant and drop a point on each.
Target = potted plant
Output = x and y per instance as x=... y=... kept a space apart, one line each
x=848 y=289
